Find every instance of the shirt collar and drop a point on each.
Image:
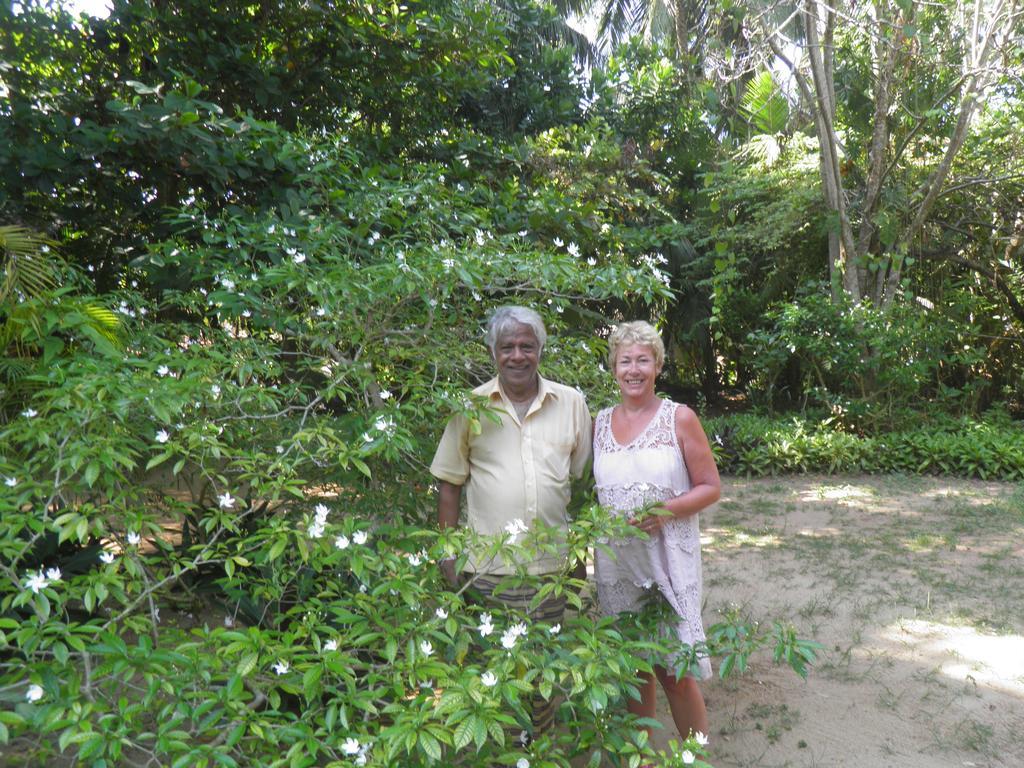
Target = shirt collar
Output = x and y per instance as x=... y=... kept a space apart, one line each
x=492 y=389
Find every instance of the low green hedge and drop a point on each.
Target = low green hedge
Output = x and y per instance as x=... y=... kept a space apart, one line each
x=991 y=448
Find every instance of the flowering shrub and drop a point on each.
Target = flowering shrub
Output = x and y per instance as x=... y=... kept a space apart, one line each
x=215 y=529
x=214 y=548
x=324 y=638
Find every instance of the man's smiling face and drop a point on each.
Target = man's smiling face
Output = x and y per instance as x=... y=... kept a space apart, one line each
x=517 y=355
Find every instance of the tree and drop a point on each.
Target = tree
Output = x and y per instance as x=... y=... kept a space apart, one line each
x=883 y=169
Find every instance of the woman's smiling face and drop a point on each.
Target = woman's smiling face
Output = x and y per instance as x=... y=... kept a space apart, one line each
x=636 y=368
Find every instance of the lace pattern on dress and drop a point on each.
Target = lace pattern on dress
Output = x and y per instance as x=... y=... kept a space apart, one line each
x=628 y=499
x=660 y=433
x=668 y=562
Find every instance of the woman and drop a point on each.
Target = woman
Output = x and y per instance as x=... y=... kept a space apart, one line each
x=653 y=452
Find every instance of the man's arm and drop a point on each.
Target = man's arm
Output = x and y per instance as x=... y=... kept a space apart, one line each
x=449 y=496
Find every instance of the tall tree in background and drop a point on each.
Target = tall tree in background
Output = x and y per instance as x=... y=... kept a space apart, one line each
x=888 y=144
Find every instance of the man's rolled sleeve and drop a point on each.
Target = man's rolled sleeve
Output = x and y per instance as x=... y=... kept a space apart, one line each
x=451 y=460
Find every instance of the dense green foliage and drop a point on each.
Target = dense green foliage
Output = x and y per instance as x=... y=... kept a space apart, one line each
x=990 y=449
x=246 y=253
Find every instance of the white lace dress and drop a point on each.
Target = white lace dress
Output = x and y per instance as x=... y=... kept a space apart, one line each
x=650 y=469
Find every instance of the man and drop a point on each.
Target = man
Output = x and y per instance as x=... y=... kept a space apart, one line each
x=518 y=469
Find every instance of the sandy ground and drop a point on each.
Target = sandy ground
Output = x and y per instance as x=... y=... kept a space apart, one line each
x=915 y=587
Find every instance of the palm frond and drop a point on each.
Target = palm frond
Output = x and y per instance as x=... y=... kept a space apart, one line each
x=103 y=320
x=28 y=262
x=585 y=51
x=567 y=8
x=763 y=149
x=620 y=19
x=764 y=106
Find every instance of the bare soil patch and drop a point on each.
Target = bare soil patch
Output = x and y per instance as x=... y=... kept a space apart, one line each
x=915 y=587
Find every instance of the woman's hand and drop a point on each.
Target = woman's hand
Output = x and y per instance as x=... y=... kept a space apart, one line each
x=652 y=520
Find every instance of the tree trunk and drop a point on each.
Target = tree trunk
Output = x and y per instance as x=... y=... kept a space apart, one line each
x=842 y=249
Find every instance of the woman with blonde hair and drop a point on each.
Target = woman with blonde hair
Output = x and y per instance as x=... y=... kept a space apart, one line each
x=650 y=452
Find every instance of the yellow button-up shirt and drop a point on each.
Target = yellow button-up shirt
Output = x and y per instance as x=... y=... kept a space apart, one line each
x=516 y=469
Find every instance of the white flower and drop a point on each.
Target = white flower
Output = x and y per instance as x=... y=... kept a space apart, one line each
x=341 y=542
x=516 y=527
x=488 y=679
x=281 y=667
x=216 y=390
x=385 y=395
x=315 y=530
x=162 y=436
x=485 y=627
x=53 y=574
x=574 y=250
x=426 y=648
x=10 y=482
x=298 y=258
x=163 y=370
x=331 y=645
x=558 y=242
x=555 y=629
x=522 y=762
x=447 y=263
x=107 y=557
x=36 y=582
x=321 y=511
x=350 y=746
x=645 y=584
x=246 y=313
x=415 y=559
x=225 y=500
x=508 y=640
x=133 y=538
x=700 y=738
x=34 y=692
x=360 y=537
x=30 y=413
x=229 y=621
x=441 y=613
x=591 y=261
x=688 y=757
x=321 y=312
x=279 y=449
x=374 y=237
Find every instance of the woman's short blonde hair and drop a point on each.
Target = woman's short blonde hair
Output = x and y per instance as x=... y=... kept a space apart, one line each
x=635 y=332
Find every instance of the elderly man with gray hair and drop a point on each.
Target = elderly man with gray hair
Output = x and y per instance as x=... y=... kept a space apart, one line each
x=517 y=469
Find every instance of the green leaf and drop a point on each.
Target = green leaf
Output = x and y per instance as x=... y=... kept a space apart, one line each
x=247 y=664
x=430 y=746
x=464 y=732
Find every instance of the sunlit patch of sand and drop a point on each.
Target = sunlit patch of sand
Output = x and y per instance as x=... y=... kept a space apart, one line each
x=819 y=533
x=840 y=493
x=960 y=653
x=724 y=538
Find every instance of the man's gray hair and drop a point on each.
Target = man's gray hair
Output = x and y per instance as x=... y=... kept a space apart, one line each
x=505 y=319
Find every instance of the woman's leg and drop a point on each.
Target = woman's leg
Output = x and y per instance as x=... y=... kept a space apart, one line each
x=645 y=707
x=685 y=700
